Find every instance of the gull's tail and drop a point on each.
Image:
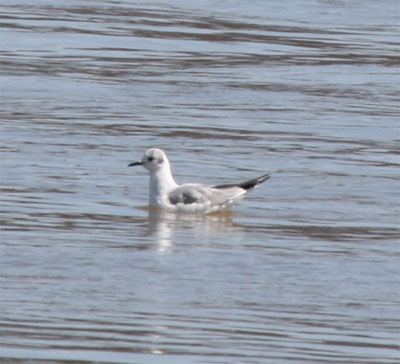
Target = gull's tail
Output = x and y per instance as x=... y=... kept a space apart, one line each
x=247 y=185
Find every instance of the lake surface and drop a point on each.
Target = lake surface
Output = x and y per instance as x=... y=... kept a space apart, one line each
x=304 y=270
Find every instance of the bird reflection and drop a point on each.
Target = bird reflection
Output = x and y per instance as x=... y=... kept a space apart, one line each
x=163 y=226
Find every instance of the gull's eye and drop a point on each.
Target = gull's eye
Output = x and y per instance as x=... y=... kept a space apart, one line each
x=150 y=159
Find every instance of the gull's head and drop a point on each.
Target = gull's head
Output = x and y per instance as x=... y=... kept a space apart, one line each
x=153 y=159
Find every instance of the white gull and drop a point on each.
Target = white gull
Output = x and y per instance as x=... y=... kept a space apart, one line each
x=167 y=195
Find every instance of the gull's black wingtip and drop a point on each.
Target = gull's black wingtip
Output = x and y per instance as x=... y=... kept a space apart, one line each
x=254 y=182
x=247 y=185
x=263 y=178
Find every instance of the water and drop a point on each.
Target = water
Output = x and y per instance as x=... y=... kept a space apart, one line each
x=304 y=270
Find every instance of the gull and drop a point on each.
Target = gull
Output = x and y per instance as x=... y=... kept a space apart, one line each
x=166 y=194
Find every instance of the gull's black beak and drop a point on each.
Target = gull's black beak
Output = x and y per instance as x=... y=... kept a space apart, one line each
x=135 y=164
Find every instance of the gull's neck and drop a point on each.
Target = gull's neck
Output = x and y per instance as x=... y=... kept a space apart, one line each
x=161 y=183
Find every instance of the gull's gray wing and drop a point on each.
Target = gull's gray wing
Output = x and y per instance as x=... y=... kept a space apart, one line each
x=187 y=194
x=198 y=194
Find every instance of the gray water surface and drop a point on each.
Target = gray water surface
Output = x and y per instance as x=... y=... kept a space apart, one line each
x=304 y=270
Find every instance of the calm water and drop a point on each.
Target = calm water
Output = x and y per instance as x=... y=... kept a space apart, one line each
x=304 y=270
